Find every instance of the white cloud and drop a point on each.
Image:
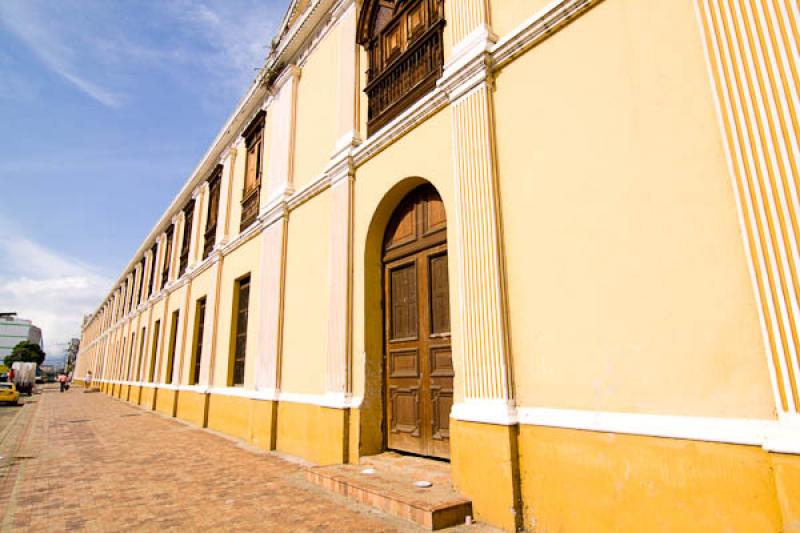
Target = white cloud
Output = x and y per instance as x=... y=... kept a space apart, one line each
x=49 y=288
x=24 y=19
x=238 y=33
x=98 y=47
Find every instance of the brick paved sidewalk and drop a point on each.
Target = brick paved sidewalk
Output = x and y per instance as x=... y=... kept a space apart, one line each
x=86 y=462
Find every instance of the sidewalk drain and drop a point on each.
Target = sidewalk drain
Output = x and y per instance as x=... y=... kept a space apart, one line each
x=77 y=420
x=131 y=414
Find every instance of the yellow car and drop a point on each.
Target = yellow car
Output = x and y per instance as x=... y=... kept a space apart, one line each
x=8 y=393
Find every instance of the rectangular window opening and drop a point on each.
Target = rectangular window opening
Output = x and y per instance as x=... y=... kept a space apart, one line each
x=197 y=351
x=239 y=329
x=154 y=351
x=173 y=337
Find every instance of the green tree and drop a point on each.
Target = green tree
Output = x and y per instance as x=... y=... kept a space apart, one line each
x=27 y=352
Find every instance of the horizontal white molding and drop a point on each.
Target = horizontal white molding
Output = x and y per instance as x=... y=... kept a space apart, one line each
x=539 y=26
x=500 y=412
x=332 y=400
x=780 y=436
x=772 y=435
x=241 y=392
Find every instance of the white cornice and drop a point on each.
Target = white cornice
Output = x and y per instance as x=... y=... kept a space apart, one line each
x=539 y=26
x=409 y=119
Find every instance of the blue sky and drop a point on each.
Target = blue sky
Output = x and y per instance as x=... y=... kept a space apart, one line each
x=105 y=108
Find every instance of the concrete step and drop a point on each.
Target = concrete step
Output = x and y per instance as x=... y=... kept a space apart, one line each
x=414 y=467
x=391 y=489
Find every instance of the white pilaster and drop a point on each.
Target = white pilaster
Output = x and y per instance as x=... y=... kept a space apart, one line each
x=175 y=251
x=477 y=252
x=198 y=197
x=340 y=269
x=280 y=166
x=226 y=195
x=273 y=274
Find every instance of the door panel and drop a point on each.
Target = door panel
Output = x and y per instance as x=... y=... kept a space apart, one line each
x=419 y=368
x=403 y=296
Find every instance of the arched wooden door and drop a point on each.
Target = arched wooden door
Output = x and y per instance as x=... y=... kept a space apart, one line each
x=418 y=365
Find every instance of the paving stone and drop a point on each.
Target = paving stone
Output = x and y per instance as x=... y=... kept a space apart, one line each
x=90 y=468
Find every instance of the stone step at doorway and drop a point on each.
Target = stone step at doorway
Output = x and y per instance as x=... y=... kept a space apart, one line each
x=390 y=487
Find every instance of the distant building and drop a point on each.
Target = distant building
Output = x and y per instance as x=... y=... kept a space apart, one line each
x=14 y=330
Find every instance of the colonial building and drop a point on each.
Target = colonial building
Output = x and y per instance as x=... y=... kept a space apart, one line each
x=555 y=243
x=15 y=330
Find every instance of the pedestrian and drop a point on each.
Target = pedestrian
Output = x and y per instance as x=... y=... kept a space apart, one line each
x=62 y=380
x=87 y=382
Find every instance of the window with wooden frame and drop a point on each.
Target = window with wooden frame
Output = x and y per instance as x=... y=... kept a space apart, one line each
x=140 y=358
x=128 y=297
x=241 y=301
x=254 y=137
x=188 y=216
x=142 y=294
x=123 y=300
x=167 y=256
x=214 y=183
x=173 y=341
x=403 y=41
x=120 y=363
x=154 y=262
x=132 y=349
x=197 y=348
x=154 y=351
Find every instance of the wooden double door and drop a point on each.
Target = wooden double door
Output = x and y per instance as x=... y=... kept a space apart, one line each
x=418 y=358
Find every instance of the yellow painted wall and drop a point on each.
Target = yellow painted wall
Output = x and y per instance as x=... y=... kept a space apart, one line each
x=506 y=15
x=305 y=329
x=229 y=415
x=586 y=481
x=312 y=432
x=483 y=458
x=135 y=394
x=262 y=423
x=786 y=469
x=316 y=111
x=165 y=401
x=191 y=407
x=628 y=283
x=147 y=398
x=243 y=260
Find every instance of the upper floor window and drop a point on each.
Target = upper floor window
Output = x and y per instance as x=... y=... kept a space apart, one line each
x=167 y=258
x=254 y=136
x=403 y=41
x=188 y=216
x=153 y=258
x=128 y=295
x=213 y=211
x=142 y=294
